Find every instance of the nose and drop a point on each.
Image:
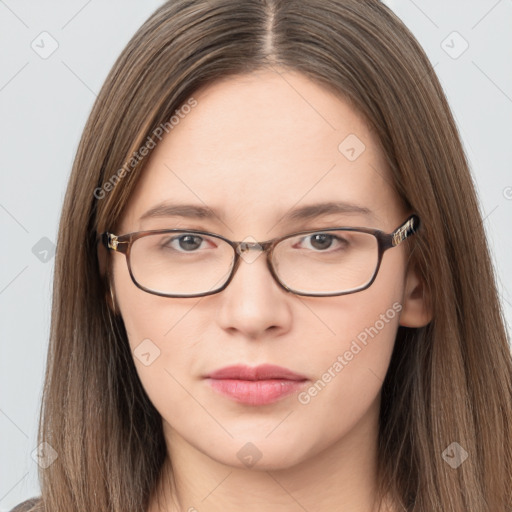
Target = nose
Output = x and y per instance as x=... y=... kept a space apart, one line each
x=253 y=303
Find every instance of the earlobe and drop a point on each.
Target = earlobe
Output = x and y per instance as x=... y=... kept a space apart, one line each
x=416 y=304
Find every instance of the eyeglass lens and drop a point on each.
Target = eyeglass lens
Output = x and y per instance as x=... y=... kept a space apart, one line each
x=185 y=263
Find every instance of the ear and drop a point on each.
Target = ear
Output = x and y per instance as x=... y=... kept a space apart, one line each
x=416 y=305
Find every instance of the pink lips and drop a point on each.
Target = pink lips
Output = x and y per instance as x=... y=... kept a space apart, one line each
x=258 y=385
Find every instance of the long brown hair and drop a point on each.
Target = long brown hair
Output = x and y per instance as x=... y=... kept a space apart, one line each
x=449 y=381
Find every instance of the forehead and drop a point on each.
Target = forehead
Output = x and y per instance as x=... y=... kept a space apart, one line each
x=256 y=146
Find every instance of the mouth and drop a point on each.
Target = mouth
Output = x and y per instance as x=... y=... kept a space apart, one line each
x=260 y=385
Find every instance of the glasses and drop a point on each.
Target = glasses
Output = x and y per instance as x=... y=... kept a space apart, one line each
x=315 y=263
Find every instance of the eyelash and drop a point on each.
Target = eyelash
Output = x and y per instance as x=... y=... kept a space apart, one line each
x=167 y=241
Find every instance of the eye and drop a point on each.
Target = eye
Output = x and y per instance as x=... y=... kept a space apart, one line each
x=188 y=242
x=322 y=241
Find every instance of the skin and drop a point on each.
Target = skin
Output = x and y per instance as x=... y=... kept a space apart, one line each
x=253 y=148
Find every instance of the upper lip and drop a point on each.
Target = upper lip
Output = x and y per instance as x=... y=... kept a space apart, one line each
x=261 y=372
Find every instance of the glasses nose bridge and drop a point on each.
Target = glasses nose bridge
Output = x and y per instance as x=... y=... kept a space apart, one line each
x=240 y=248
x=245 y=246
x=264 y=247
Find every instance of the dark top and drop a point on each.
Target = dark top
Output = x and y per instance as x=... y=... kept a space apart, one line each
x=26 y=505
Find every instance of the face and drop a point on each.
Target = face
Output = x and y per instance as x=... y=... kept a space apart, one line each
x=253 y=149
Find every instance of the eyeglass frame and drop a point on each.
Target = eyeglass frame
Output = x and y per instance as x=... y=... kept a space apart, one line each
x=122 y=244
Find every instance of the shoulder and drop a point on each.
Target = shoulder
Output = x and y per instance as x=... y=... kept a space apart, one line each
x=26 y=506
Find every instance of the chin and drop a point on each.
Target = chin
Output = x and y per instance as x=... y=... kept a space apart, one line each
x=260 y=456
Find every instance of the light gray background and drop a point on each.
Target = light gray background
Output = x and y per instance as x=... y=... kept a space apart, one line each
x=44 y=103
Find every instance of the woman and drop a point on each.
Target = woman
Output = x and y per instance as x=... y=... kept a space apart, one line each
x=360 y=362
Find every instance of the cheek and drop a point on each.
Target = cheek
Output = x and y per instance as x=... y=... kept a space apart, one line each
x=352 y=358
x=146 y=315
x=350 y=370
x=362 y=348
x=162 y=342
x=159 y=334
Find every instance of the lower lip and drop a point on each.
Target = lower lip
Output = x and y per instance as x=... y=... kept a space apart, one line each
x=256 y=392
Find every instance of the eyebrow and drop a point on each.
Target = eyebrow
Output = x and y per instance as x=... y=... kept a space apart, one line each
x=311 y=211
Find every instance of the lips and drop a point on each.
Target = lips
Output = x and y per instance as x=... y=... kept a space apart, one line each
x=260 y=385
x=262 y=372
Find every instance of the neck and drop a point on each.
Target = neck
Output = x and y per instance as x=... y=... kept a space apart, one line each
x=341 y=477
